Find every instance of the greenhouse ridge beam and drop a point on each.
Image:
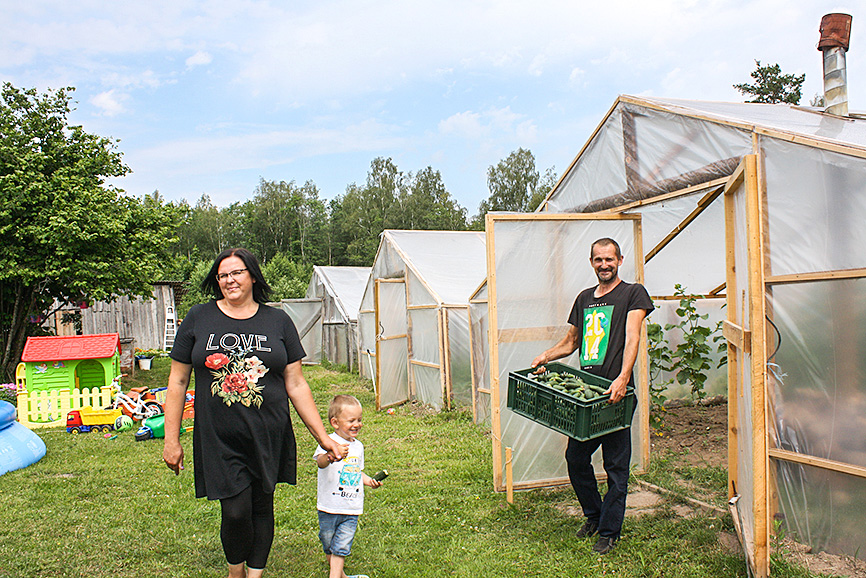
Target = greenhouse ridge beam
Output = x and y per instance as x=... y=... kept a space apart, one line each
x=668 y=196
x=723 y=168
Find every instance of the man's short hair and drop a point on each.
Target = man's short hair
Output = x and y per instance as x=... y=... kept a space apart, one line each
x=341 y=402
x=605 y=242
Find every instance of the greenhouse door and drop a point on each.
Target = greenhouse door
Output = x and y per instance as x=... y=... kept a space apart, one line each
x=392 y=343
x=536 y=266
x=744 y=330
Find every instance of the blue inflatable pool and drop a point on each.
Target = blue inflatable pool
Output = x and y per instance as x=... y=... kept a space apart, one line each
x=19 y=447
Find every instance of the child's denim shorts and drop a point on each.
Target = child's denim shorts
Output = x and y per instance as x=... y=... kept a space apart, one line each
x=336 y=531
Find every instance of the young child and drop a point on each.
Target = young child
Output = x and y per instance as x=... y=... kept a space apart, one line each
x=341 y=485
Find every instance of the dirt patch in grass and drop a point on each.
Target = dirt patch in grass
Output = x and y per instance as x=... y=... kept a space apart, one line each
x=698 y=434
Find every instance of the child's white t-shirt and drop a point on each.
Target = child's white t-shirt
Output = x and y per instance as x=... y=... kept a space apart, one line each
x=340 y=488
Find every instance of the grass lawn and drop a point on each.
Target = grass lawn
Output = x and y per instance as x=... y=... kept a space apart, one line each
x=110 y=508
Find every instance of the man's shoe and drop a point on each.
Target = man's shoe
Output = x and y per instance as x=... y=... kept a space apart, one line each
x=588 y=529
x=604 y=545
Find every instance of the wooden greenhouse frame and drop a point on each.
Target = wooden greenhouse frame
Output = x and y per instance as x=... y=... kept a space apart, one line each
x=740 y=184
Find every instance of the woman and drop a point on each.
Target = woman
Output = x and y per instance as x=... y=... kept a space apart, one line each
x=247 y=362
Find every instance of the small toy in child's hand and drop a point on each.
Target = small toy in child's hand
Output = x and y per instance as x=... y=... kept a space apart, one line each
x=380 y=475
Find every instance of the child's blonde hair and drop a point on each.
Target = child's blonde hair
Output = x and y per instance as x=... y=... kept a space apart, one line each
x=339 y=403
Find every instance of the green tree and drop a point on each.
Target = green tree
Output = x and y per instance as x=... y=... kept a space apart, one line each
x=285 y=218
x=193 y=295
x=206 y=229
x=288 y=279
x=368 y=210
x=390 y=199
x=337 y=231
x=771 y=86
x=270 y=218
x=514 y=185
x=66 y=235
x=310 y=245
x=425 y=204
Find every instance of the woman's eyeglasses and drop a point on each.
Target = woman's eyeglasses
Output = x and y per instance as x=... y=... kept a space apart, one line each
x=233 y=274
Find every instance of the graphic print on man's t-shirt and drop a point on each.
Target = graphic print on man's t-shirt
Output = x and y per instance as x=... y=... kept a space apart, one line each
x=236 y=377
x=596 y=333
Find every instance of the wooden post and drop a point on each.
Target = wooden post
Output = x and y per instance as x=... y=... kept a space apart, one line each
x=642 y=380
x=493 y=349
x=509 y=477
x=378 y=373
x=757 y=313
x=733 y=307
x=444 y=361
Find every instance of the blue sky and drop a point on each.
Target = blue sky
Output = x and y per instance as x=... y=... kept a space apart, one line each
x=208 y=97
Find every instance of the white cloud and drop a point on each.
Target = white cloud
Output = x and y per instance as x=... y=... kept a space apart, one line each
x=527 y=132
x=263 y=148
x=490 y=124
x=536 y=67
x=464 y=124
x=109 y=102
x=129 y=80
x=200 y=58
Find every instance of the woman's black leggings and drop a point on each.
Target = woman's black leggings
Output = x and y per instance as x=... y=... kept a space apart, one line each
x=247 y=528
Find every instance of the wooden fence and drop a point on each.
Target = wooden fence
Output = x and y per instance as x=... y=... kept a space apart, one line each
x=140 y=319
x=38 y=409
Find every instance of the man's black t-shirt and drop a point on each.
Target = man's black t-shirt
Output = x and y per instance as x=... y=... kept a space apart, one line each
x=600 y=323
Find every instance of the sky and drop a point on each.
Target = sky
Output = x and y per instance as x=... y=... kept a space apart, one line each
x=209 y=97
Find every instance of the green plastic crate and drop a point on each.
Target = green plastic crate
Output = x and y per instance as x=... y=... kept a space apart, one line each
x=581 y=420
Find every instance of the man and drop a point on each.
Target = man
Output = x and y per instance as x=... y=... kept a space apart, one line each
x=605 y=323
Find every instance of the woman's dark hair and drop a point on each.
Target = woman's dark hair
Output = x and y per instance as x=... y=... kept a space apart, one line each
x=261 y=289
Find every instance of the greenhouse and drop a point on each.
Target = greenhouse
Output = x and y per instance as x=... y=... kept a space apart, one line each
x=306 y=314
x=414 y=318
x=759 y=208
x=340 y=290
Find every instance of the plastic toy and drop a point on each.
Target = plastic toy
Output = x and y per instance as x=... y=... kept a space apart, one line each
x=87 y=419
x=123 y=423
x=70 y=362
x=139 y=404
x=19 y=447
x=154 y=427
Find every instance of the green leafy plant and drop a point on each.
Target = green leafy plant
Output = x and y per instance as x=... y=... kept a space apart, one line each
x=660 y=361
x=691 y=358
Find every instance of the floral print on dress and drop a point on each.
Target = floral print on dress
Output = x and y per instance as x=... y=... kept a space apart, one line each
x=236 y=378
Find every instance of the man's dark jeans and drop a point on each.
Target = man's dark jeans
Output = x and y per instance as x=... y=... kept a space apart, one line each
x=616 y=455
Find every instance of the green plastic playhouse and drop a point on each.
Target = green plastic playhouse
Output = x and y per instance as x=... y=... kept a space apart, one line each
x=71 y=361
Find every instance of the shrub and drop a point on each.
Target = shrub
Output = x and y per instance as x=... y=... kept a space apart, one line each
x=8 y=392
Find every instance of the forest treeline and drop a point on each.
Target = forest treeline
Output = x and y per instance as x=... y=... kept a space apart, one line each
x=291 y=228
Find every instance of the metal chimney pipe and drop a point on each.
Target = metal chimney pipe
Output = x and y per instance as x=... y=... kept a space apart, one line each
x=835 y=37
